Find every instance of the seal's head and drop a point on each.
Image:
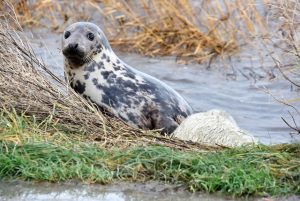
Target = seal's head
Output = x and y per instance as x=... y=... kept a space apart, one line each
x=81 y=41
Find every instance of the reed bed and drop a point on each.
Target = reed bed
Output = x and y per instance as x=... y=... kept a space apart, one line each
x=195 y=31
x=29 y=88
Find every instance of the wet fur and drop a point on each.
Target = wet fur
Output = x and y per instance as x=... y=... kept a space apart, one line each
x=135 y=97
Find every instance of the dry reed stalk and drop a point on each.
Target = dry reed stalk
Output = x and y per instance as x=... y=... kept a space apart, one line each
x=285 y=39
x=158 y=27
x=287 y=16
x=25 y=87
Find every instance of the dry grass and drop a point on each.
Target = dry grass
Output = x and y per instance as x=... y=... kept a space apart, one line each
x=157 y=27
x=28 y=87
x=182 y=29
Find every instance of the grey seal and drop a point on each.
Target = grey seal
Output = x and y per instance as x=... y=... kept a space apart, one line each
x=95 y=72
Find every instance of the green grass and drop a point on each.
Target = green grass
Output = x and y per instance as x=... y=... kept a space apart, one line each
x=33 y=151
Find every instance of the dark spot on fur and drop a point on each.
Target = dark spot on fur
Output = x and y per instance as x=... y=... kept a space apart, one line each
x=99 y=47
x=95 y=81
x=118 y=61
x=99 y=86
x=108 y=59
x=111 y=78
x=91 y=67
x=86 y=76
x=105 y=74
x=131 y=85
x=100 y=65
x=79 y=87
x=116 y=68
x=103 y=56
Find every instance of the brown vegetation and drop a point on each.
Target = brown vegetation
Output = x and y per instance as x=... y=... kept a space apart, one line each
x=192 y=31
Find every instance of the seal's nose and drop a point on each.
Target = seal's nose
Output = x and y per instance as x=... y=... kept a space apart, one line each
x=73 y=46
x=73 y=50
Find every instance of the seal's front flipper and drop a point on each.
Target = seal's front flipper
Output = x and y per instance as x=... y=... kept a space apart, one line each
x=168 y=124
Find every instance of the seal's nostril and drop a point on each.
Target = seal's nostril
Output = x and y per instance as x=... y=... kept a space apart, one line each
x=73 y=45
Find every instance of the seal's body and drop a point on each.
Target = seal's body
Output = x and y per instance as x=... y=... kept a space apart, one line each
x=95 y=72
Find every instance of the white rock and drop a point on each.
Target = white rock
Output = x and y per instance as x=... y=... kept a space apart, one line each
x=215 y=127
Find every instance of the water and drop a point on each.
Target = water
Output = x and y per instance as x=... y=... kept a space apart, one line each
x=238 y=86
x=118 y=192
x=27 y=191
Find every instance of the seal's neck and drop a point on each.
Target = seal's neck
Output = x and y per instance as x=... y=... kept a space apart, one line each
x=108 y=58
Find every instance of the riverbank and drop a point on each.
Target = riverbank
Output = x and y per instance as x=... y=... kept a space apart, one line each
x=28 y=153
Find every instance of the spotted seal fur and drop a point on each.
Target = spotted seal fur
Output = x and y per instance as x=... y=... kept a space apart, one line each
x=94 y=71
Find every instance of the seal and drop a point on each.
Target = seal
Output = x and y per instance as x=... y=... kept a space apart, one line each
x=95 y=72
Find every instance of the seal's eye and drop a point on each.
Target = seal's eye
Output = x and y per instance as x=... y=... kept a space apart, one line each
x=90 y=36
x=67 y=34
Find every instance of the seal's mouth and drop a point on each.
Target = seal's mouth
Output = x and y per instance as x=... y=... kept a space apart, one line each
x=76 y=61
x=75 y=56
x=73 y=53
